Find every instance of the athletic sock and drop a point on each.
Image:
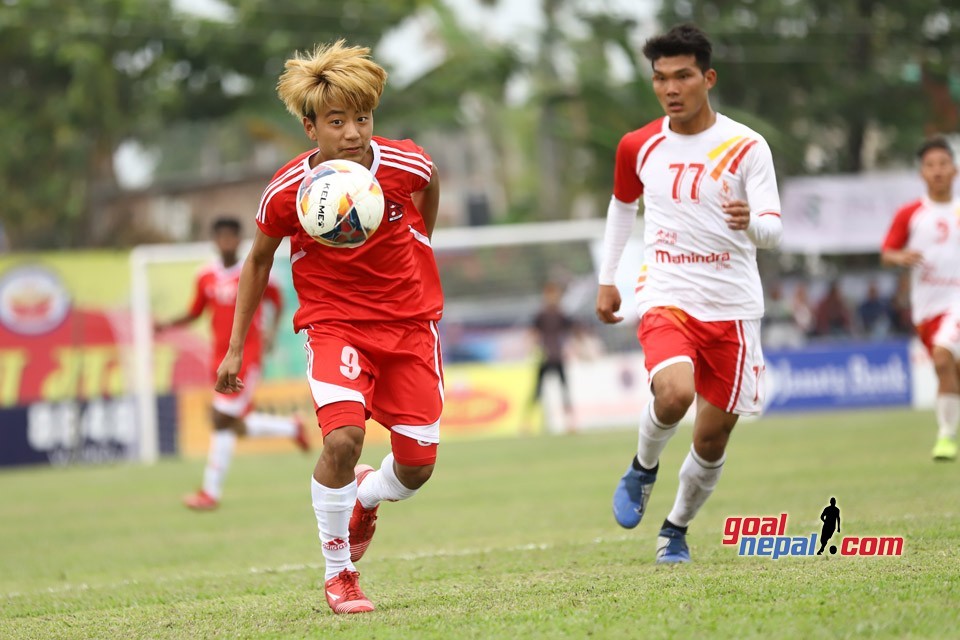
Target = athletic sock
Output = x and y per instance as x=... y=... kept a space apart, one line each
x=669 y=525
x=698 y=479
x=383 y=484
x=222 y=443
x=639 y=467
x=333 y=508
x=653 y=437
x=264 y=424
x=948 y=415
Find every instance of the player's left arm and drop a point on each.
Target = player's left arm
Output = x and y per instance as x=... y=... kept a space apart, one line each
x=759 y=214
x=253 y=281
x=427 y=201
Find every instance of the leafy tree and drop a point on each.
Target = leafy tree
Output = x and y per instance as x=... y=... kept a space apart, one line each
x=79 y=78
x=831 y=74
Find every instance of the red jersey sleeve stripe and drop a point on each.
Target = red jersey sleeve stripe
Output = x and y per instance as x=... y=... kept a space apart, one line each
x=426 y=166
x=268 y=195
x=769 y=213
x=415 y=156
x=736 y=163
x=405 y=167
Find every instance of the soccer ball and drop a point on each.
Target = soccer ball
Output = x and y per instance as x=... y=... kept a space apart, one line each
x=340 y=204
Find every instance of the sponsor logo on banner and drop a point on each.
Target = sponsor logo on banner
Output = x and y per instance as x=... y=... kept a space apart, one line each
x=33 y=300
x=839 y=376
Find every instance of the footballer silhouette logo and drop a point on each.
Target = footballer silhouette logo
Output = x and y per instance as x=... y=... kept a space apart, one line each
x=766 y=536
x=830 y=517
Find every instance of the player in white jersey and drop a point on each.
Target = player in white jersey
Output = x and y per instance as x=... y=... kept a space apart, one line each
x=710 y=200
x=925 y=237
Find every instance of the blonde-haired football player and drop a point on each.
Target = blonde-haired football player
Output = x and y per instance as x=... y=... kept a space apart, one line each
x=710 y=201
x=368 y=315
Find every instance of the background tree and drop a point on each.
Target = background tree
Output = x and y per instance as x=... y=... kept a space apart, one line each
x=78 y=79
x=847 y=84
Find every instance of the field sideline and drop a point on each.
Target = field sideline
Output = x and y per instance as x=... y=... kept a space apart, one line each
x=511 y=539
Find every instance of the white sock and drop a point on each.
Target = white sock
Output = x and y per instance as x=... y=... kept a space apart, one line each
x=264 y=424
x=333 y=508
x=948 y=415
x=654 y=436
x=383 y=484
x=222 y=443
x=698 y=478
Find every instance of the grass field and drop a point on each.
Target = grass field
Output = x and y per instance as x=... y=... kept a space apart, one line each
x=511 y=539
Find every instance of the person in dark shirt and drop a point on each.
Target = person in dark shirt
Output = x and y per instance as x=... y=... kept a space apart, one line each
x=832 y=316
x=553 y=328
x=874 y=313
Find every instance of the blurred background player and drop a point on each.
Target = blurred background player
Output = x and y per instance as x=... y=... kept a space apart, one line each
x=369 y=314
x=925 y=238
x=553 y=328
x=710 y=200
x=215 y=289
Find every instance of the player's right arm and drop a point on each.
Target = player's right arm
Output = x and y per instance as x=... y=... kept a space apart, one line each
x=427 y=201
x=621 y=216
x=894 y=252
x=199 y=303
x=253 y=281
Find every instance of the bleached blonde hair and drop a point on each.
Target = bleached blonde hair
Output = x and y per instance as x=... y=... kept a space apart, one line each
x=331 y=74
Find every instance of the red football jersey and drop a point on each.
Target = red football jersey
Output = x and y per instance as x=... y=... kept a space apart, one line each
x=393 y=275
x=216 y=290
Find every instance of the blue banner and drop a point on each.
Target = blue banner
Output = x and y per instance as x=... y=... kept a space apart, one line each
x=79 y=432
x=842 y=375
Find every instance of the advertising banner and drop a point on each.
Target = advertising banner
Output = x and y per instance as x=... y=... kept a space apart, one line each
x=65 y=360
x=480 y=401
x=839 y=376
x=844 y=214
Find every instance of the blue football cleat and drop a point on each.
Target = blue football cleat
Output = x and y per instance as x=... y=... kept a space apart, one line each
x=631 y=497
x=672 y=547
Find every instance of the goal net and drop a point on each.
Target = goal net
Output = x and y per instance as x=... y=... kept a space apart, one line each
x=493 y=280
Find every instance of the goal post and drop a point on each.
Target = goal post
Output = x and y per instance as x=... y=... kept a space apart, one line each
x=493 y=279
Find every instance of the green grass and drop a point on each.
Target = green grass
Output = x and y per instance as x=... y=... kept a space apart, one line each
x=511 y=539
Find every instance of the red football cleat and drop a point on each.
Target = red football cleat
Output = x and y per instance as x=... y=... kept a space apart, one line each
x=363 y=522
x=344 y=594
x=300 y=437
x=201 y=501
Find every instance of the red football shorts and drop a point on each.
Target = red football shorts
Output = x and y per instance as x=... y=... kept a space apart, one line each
x=726 y=356
x=941 y=331
x=390 y=371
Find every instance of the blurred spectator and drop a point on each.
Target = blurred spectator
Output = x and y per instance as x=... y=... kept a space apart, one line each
x=802 y=310
x=780 y=328
x=900 y=319
x=875 y=313
x=553 y=328
x=832 y=317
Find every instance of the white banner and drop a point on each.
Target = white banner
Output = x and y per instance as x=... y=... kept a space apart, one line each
x=844 y=214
